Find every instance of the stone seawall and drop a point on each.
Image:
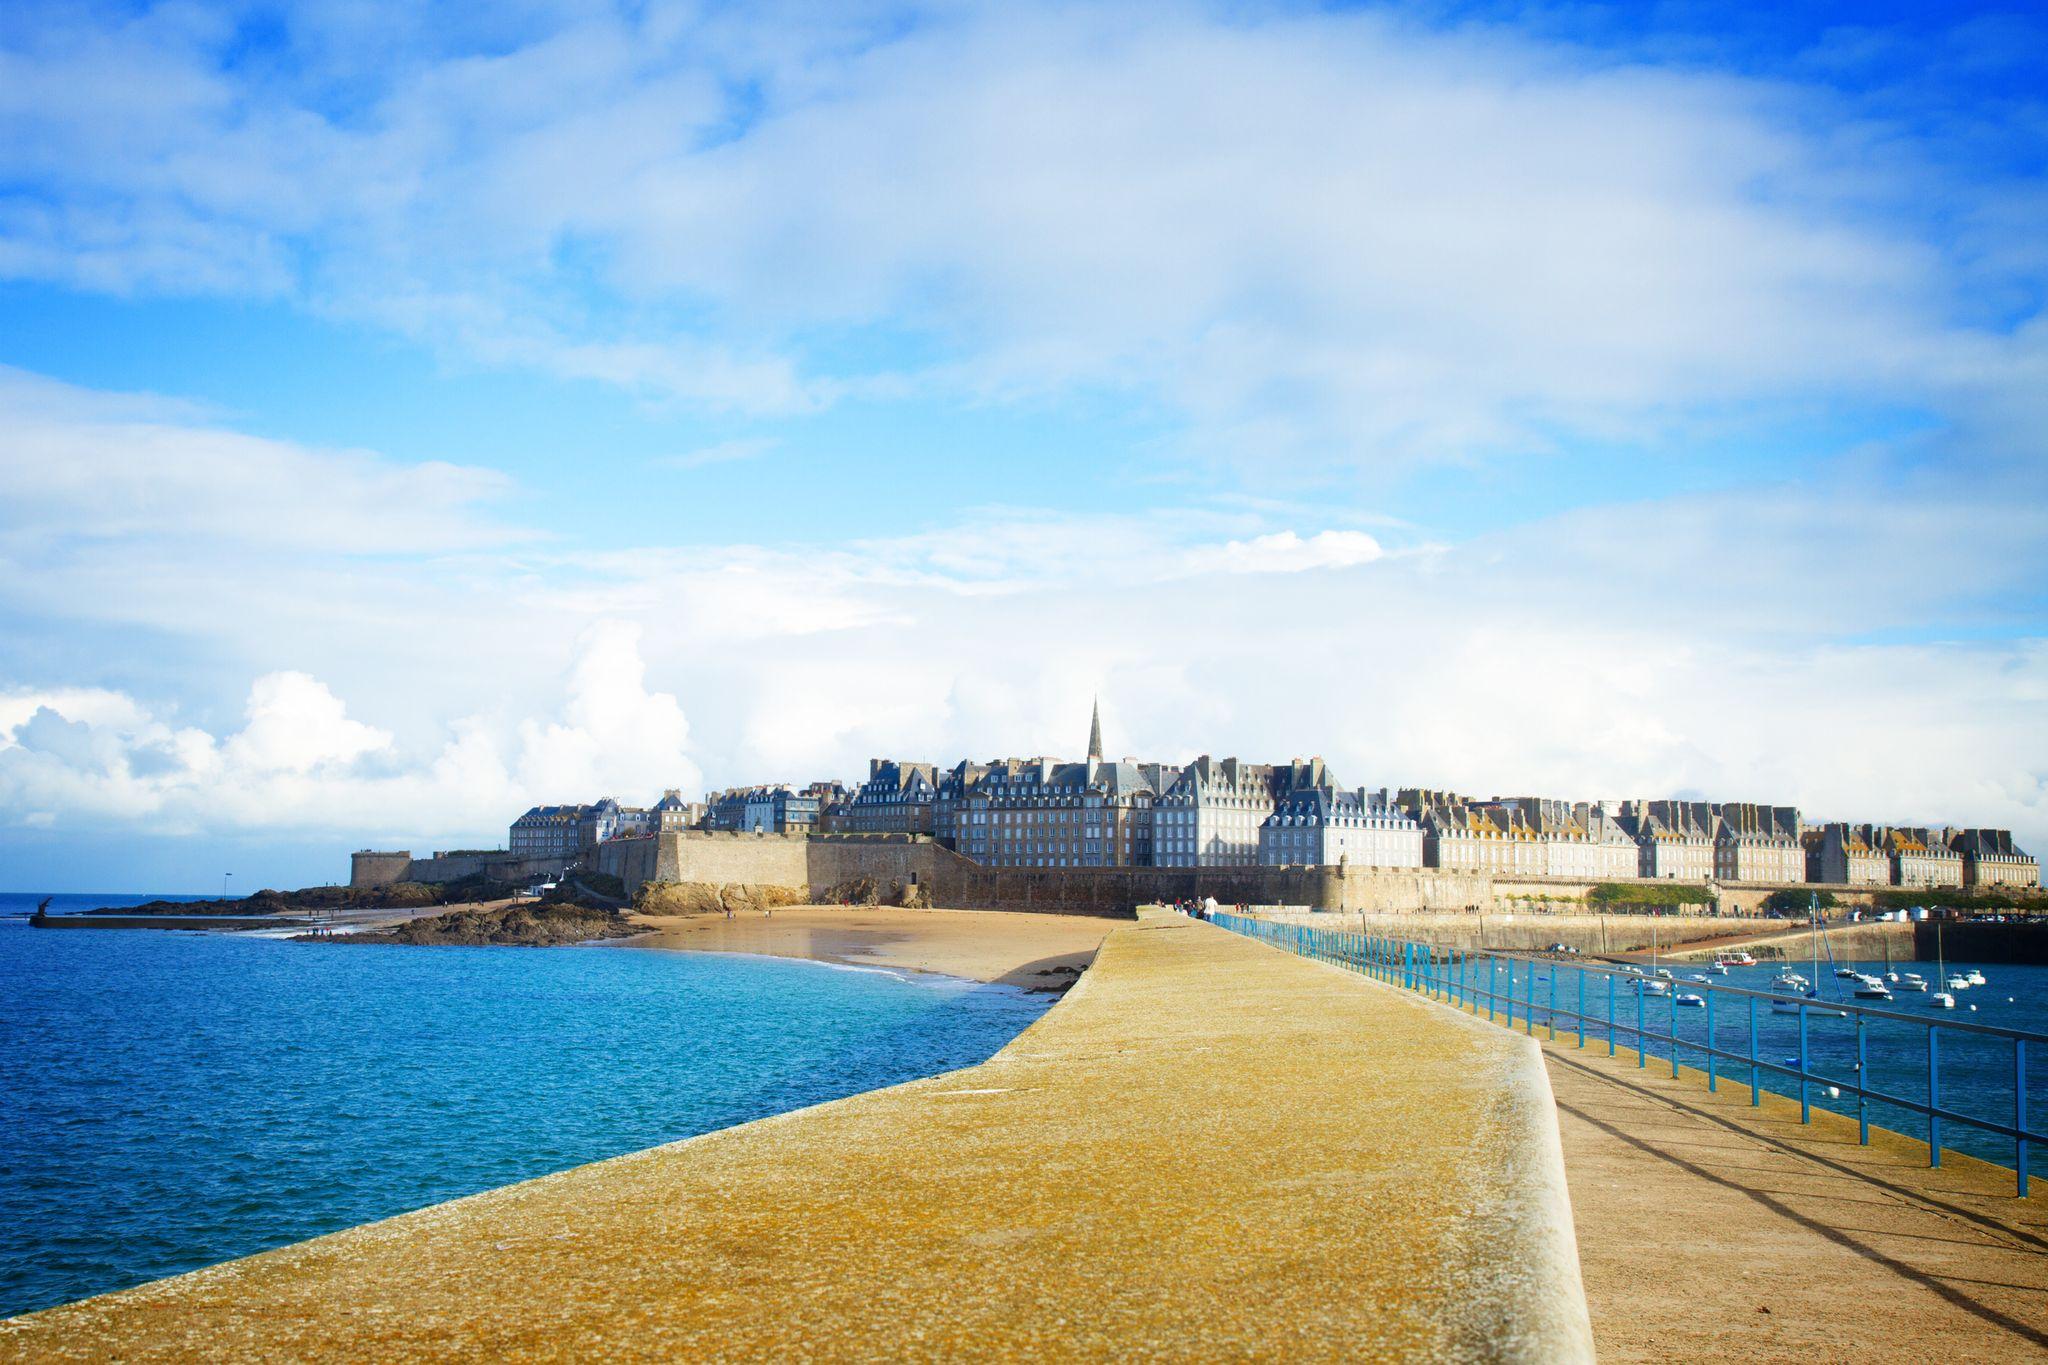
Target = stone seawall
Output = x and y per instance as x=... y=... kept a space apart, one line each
x=371 y=868
x=1983 y=941
x=1522 y=932
x=818 y=864
x=1793 y=942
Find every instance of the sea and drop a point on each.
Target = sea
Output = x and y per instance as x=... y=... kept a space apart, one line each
x=1977 y=1062
x=172 y=1099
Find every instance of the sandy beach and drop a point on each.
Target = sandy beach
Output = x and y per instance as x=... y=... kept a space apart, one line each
x=1037 y=951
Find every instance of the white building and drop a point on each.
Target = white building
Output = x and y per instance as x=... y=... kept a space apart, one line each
x=1211 y=815
x=1318 y=827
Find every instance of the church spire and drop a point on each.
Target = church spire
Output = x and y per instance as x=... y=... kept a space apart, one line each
x=1095 y=733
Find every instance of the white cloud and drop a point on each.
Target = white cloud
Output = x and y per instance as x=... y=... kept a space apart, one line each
x=1782 y=643
x=1288 y=552
x=721 y=452
x=126 y=467
x=300 y=763
x=1754 y=647
x=295 y=725
x=1339 y=235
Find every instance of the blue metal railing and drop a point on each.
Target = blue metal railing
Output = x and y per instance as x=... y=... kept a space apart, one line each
x=1472 y=980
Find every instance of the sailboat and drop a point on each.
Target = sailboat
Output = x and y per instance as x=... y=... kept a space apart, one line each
x=1941 y=999
x=1813 y=992
x=1659 y=980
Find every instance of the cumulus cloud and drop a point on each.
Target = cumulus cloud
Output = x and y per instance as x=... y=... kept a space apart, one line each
x=1749 y=644
x=295 y=725
x=300 y=762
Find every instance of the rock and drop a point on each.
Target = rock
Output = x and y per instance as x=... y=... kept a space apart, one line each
x=397 y=896
x=706 y=898
x=524 y=925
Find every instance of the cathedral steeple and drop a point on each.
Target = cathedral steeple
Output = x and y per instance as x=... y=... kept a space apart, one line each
x=1095 y=733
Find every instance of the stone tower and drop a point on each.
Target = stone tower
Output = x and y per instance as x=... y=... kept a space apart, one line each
x=1095 y=733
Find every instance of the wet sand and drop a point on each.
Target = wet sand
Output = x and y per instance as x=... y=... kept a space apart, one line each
x=1035 y=951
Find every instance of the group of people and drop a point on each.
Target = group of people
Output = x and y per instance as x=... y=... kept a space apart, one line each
x=1200 y=908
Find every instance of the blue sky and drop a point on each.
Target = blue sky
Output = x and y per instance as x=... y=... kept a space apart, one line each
x=407 y=416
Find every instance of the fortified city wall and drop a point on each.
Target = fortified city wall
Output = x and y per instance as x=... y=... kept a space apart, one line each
x=817 y=864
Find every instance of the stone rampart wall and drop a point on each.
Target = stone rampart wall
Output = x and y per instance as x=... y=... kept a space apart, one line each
x=1388 y=890
x=632 y=861
x=1519 y=931
x=1982 y=941
x=723 y=859
x=370 y=868
x=818 y=864
x=498 y=866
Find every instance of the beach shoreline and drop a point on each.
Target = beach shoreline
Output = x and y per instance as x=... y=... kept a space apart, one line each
x=1045 y=953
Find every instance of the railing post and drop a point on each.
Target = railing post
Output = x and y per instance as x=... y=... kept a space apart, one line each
x=1805 y=1111
x=1671 y=1016
x=1933 y=1095
x=1862 y=1084
x=1712 y=1086
x=1610 y=1014
x=2019 y=1109
x=1529 y=1012
x=1492 y=986
x=1553 y=1002
x=1756 y=1077
x=1642 y=1037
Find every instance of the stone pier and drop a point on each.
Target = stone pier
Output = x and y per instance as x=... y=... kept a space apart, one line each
x=1208 y=1149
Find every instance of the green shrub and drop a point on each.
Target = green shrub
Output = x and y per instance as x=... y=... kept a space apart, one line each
x=1791 y=901
x=1647 y=893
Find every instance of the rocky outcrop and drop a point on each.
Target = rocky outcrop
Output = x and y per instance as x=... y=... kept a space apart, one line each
x=396 y=896
x=528 y=925
x=707 y=898
x=869 y=891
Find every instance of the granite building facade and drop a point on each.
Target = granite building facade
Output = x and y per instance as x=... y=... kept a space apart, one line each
x=1318 y=826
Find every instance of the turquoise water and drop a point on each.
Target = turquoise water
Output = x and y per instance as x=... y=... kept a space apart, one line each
x=169 y=1100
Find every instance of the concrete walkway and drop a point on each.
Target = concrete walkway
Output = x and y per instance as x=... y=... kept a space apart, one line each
x=1209 y=1149
x=1708 y=1229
